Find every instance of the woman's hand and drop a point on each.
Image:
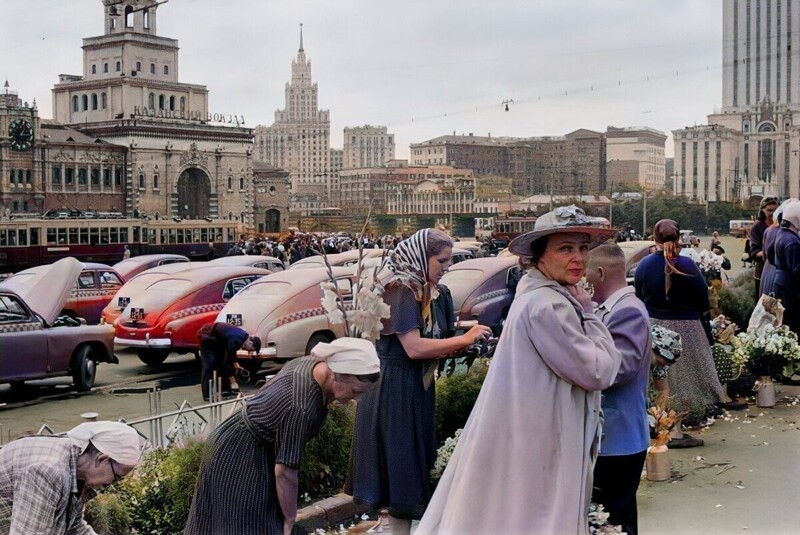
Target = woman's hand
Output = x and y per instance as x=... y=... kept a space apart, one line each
x=582 y=297
x=477 y=334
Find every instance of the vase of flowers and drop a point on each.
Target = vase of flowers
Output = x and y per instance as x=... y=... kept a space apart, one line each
x=766 y=352
x=657 y=460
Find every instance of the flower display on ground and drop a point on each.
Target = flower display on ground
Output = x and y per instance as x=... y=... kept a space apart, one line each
x=768 y=351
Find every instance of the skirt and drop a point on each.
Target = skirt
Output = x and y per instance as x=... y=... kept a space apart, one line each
x=693 y=382
x=235 y=490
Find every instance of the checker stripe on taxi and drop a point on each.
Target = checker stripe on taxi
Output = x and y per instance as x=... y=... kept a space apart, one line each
x=20 y=327
x=491 y=295
x=191 y=311
x=303 y=314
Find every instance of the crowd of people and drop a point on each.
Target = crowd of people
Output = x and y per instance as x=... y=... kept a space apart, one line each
x=560 y=420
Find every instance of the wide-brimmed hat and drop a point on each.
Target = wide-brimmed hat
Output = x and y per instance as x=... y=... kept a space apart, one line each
x=563 y=219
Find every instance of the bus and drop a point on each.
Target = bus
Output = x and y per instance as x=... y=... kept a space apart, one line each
x=510 y=227
x=32 y=241
x=740 y=228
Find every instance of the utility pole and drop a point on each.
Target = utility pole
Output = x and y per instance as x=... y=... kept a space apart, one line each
x=611 y=204
x=644 y=214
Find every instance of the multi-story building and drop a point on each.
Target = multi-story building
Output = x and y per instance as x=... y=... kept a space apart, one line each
x=299 y=139
x=45 y=165
x=337 y=161
x=756 y=135
x=635 y=156
x=575 y=163
x=182 y=161
x=367 y=146
x=271 y=198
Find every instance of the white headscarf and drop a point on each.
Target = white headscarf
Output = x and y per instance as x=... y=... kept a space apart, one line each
x=354 y=356
x=119 y=441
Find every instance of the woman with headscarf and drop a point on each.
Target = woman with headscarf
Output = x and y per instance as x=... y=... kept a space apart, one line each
x=394 y=446
x=523 y=462
x=787 y=266
x=45 y=481
x=676 y=296
x=768 y=246
x=766 y=209
x=248 y=474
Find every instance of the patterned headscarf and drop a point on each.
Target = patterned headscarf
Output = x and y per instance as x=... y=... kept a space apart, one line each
x=666 y=343
x=667 y=234
x=408 y=262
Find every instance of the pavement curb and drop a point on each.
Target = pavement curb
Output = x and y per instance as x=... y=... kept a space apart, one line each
x=329 y=512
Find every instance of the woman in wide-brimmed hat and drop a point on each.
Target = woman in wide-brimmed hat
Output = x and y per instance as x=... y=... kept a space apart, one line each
x=524 y=460
x=766 y=210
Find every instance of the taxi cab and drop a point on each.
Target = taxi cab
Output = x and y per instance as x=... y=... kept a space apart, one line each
x=165 y=315
x=284 y=310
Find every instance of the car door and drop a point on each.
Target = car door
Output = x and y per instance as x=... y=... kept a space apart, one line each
x=86 y=290
x=23 y=351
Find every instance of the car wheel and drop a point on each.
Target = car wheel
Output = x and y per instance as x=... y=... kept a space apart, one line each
x=153 y=357
x=316 y=339
x=84 y=369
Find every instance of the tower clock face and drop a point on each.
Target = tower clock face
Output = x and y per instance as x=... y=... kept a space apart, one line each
x=20 y=133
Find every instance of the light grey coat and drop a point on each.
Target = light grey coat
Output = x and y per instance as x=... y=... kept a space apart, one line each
x=524 y=461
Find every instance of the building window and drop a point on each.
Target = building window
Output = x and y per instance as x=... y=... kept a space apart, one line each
x=103 y=101
x=138 y=65
x=75 y=103
x=155 y=181
x=141 y=181
x=82 y=176
x=95 y=177
x=107 y=177
x=119 y=66
x=152 y=68
x=166 y=69
x=230 y=183
x=151 y=101
x=146 y=16
x=183 y=103
x=56 y=175
x=160 y=102
x=94 y=69
x=105 y=67
x=118 y=177
x=113 y=23
x=69 y=176
x=128 y=17
x=85 y=102
x=241 y=182
x=172 y=103
x=94 y=101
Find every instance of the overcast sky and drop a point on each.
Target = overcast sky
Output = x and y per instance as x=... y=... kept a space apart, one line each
x=423 y=67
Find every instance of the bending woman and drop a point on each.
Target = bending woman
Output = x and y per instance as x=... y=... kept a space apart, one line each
x=248 y=473
x=523 y=463
x=394 y=446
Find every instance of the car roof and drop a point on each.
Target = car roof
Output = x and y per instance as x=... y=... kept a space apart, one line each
x=242 y=260
x=96 y=265
x=204 y=276
x=491 y=264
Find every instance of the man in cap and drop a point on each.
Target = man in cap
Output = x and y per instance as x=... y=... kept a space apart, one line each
x=625 y=433
x=45 y=481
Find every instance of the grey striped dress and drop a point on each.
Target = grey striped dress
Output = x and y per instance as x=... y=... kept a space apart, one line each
x=235 y=490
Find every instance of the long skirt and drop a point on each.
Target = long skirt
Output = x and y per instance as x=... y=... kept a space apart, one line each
x=394 y=446
x=693 y=382
x=235 y=490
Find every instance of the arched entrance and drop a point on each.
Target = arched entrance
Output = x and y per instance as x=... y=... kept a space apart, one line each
x=194 y=189
x=272 y=221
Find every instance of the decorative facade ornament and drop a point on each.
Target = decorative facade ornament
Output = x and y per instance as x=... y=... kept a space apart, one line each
x=62 y=156
x=194 y=157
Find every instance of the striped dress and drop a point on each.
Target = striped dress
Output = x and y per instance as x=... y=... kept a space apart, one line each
x=235 y=490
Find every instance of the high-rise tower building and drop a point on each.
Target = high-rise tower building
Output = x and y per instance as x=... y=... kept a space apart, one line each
x=299 y=139
x=760 y=54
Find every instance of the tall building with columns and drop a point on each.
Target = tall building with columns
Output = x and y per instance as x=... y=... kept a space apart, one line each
x=182 y=160
x=749 y=148
x=299 y=139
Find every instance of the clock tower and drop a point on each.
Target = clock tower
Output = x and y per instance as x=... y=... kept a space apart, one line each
x=20 y=175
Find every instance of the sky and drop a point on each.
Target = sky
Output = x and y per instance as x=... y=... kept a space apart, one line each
x=424 y=68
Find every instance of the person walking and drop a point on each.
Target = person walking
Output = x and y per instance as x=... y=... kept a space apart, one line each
x=625 y=432
x=249 y=469
x=219 y=343
x=45 y=481
x=523 y=462
x=126 y=254
x=394 y=446
x=766 y=209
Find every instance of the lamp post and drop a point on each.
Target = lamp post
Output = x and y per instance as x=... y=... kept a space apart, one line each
x=644 y=213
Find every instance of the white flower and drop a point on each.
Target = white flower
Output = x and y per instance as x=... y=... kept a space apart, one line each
x=330 y=303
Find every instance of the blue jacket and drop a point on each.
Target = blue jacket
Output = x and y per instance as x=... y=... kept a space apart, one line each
x=625 y=430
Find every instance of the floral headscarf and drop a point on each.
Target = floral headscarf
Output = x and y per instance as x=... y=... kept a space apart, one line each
x=408 y=262
x=666 y=343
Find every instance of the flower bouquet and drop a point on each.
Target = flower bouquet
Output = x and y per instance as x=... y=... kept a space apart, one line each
x=710 y=265
x=767 y=352
x=662 y=420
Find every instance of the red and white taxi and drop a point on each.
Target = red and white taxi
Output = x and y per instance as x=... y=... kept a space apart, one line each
x=284 y=310
x=94 y=288
x=130 y=267
x=165 y=316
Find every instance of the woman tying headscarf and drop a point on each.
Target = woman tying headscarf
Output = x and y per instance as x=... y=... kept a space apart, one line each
x=676 y=296
x=394 y=446
x=523 y=463
x=248 y=475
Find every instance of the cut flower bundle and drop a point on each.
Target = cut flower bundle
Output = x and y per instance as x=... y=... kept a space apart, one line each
x=768 y=351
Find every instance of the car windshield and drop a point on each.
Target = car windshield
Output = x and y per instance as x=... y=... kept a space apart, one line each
x=266 y=289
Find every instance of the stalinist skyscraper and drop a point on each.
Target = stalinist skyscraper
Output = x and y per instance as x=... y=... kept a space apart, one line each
x=299 y=139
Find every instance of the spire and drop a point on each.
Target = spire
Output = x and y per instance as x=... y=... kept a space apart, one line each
x=6 y=86
x=301 y=38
